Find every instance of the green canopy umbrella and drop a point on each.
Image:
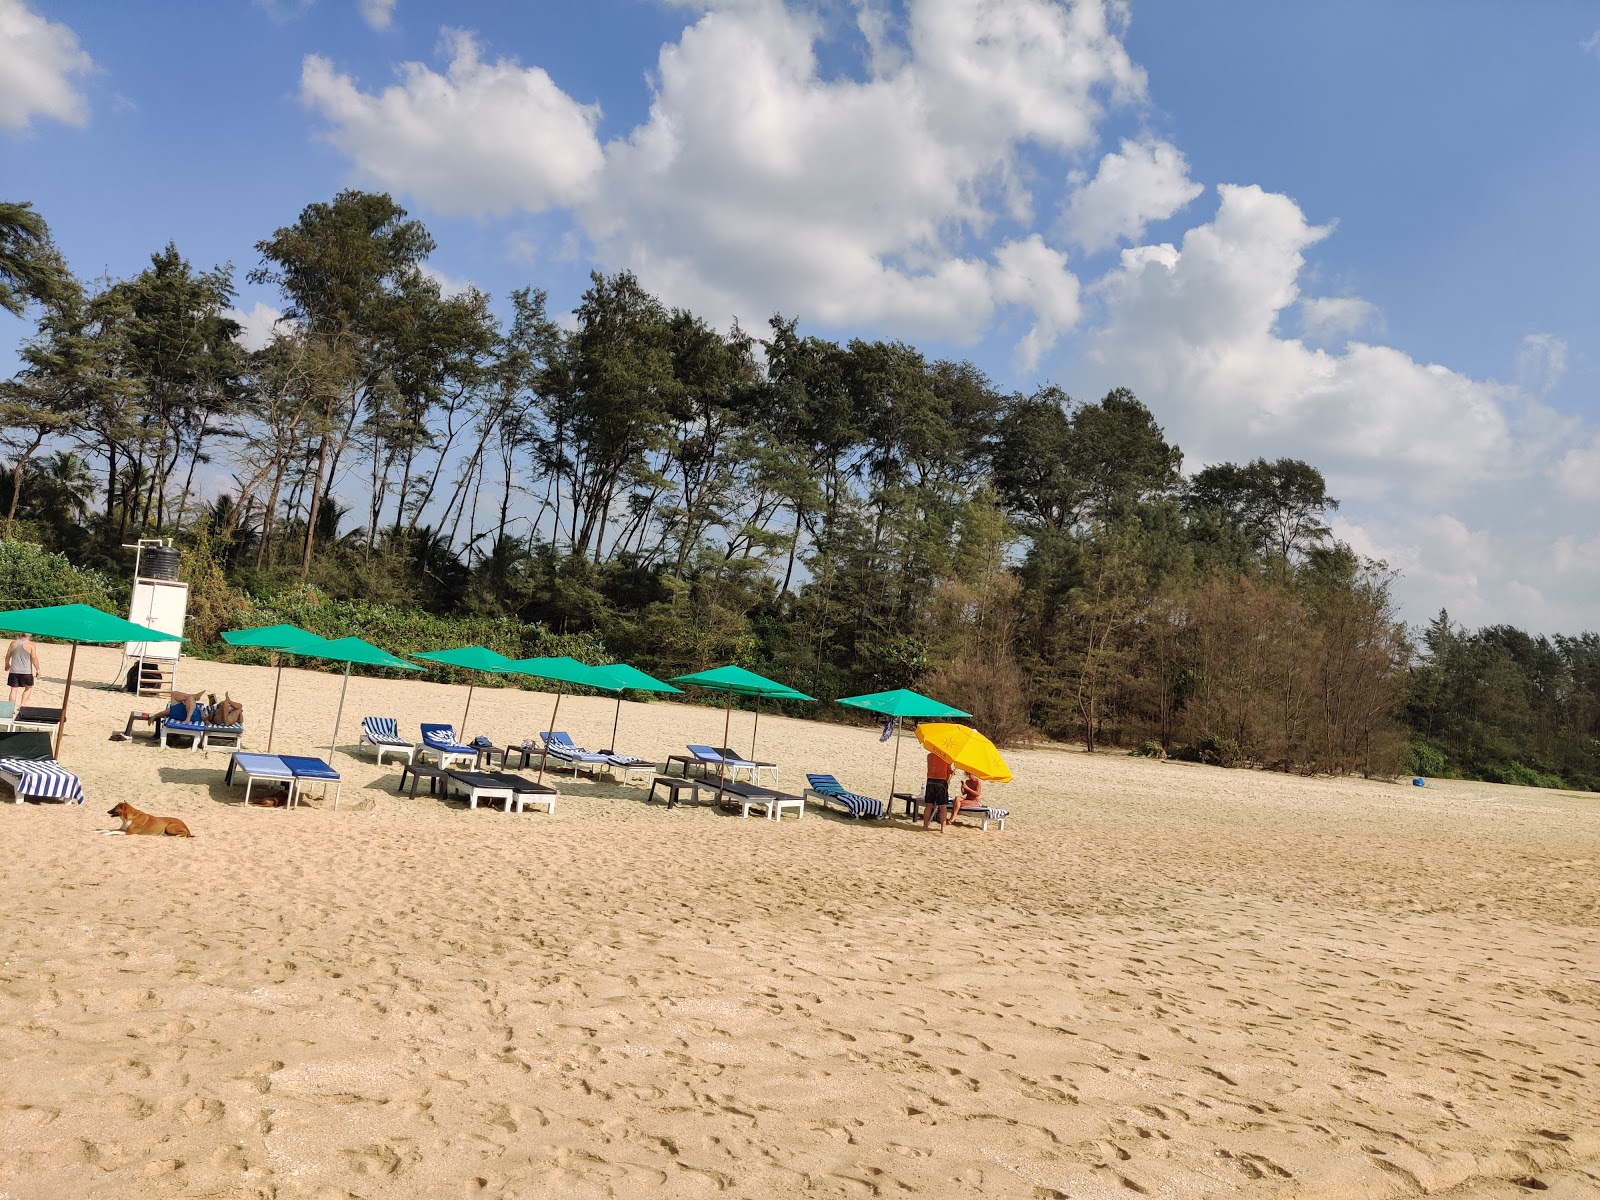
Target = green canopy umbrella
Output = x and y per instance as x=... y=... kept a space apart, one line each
x=619 y=678
x=347 y=650
x=77 y=623
x=563 y=670
x=736 y=681
x=470 y=658
x=901 y=704
x=275 y=638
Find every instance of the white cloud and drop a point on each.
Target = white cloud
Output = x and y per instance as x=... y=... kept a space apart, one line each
x=481 y=138
x=257 y=326
x=1577 y=473
x=1328 y=318
x=1541 y=362
x=756 y=184
x=39 y=60
x=1570 y=556
x=1143 y=182
x=1194 y=330
x=377 y=13
x=1591 y=43
x=449 y=287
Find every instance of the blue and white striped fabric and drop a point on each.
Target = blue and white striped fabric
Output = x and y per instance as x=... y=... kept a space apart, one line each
x=560 y=745
x=382 y=731
x=41 y=779
x=443 y=737
x=853 y=803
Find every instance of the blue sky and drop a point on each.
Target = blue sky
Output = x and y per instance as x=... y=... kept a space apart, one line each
x=1356 y=233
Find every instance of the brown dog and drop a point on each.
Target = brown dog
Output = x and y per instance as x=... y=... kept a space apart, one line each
x=134 y=821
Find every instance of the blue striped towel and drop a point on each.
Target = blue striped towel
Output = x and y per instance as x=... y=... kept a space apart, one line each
x=43 y=779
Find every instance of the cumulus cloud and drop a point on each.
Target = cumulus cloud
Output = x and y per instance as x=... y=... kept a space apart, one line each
x=1328 y=318
x=377 y=13
x=1577 y=472
x=257 y=326
x=758 y=184
x=40 y=61
x=1139 y=184
x=1194 y=329
x=484 y=137
x=449 y=287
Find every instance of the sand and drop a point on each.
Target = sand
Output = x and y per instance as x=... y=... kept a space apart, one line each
x=1160 y=980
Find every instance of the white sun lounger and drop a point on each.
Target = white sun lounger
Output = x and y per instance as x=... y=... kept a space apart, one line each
x=261 y=767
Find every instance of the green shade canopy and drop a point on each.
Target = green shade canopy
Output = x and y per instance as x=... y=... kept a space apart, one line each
x=737 y=681
x=269 y=637
x=348 y=650
x=276 y=638
x=471 y=658
x=79 y=623
x=620 y=677
x=903 y=703
x=559 y=668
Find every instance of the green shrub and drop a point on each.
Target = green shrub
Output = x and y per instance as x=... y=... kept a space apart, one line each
x=1149 y=748
x=1429 y=760
x=1522 y=775
x=1217 y=751
x=33 y=577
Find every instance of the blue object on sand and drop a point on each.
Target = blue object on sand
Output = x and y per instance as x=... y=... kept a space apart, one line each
x=1419 y=781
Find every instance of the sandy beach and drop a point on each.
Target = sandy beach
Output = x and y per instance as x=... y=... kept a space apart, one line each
x=1161 y=979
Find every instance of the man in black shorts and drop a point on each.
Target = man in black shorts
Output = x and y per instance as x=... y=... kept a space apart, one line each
x=937 y=792
x=22 y=665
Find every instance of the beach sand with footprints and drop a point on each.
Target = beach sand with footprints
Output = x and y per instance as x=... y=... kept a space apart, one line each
x=1160 y=980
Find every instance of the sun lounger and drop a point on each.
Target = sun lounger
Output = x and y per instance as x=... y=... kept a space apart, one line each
x=306 y=770
x=201 y=732
x=826 y=787
x=383 y=735
x=559 y=746
x=40 y=778
x=709 y=758
x=751 y=795
x=256 y=767
x=500 y=785
x=628 y=766
x=986 y=814
x=42 y=720
x=733 y=756
x=440 y=741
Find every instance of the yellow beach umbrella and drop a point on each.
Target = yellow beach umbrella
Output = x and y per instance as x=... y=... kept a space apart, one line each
x=964 y=748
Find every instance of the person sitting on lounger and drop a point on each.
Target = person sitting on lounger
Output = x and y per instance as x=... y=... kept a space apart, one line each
x=971 y=795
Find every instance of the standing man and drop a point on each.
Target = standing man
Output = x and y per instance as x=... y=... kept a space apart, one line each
x=937 y=792
x=22 y=665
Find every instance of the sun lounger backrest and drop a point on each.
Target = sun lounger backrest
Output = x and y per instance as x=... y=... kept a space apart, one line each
x=558 y=737
x=705 y=754
x=826 y=784
x=440 y=735
x=383 y=729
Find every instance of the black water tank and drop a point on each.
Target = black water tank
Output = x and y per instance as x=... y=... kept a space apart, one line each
x=159 y=562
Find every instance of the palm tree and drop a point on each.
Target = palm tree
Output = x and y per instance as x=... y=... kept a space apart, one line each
x=67 y=479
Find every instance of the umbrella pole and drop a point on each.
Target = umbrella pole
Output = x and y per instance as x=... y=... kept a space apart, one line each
x=61 y=728
x=466 y=710
x=544 y=754
x=754 y=728
x=722 y=767
x=614 y=721
x=338 y=715
x=895 y=771
x=272 y=723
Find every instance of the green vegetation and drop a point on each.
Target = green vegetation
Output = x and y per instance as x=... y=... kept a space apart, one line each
x=847 y=517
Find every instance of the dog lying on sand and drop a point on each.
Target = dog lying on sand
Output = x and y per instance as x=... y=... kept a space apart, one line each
x=134 y=821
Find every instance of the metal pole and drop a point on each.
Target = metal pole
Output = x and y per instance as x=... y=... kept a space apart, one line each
x=273 y=723
x=722 y=767
x=61 y=726
x=561 y=686
x=614 y=721
x=466 y=710
x=895 y=773
x=753 y=730
x=339 y=715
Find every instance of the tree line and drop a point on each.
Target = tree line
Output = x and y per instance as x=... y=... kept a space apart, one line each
x=847 y=516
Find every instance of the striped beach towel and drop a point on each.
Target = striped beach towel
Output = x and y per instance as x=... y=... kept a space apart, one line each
x=41 y=779
x=383 y=731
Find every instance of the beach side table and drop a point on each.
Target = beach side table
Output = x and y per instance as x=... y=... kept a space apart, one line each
x=419 y=772
x=676 y=785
